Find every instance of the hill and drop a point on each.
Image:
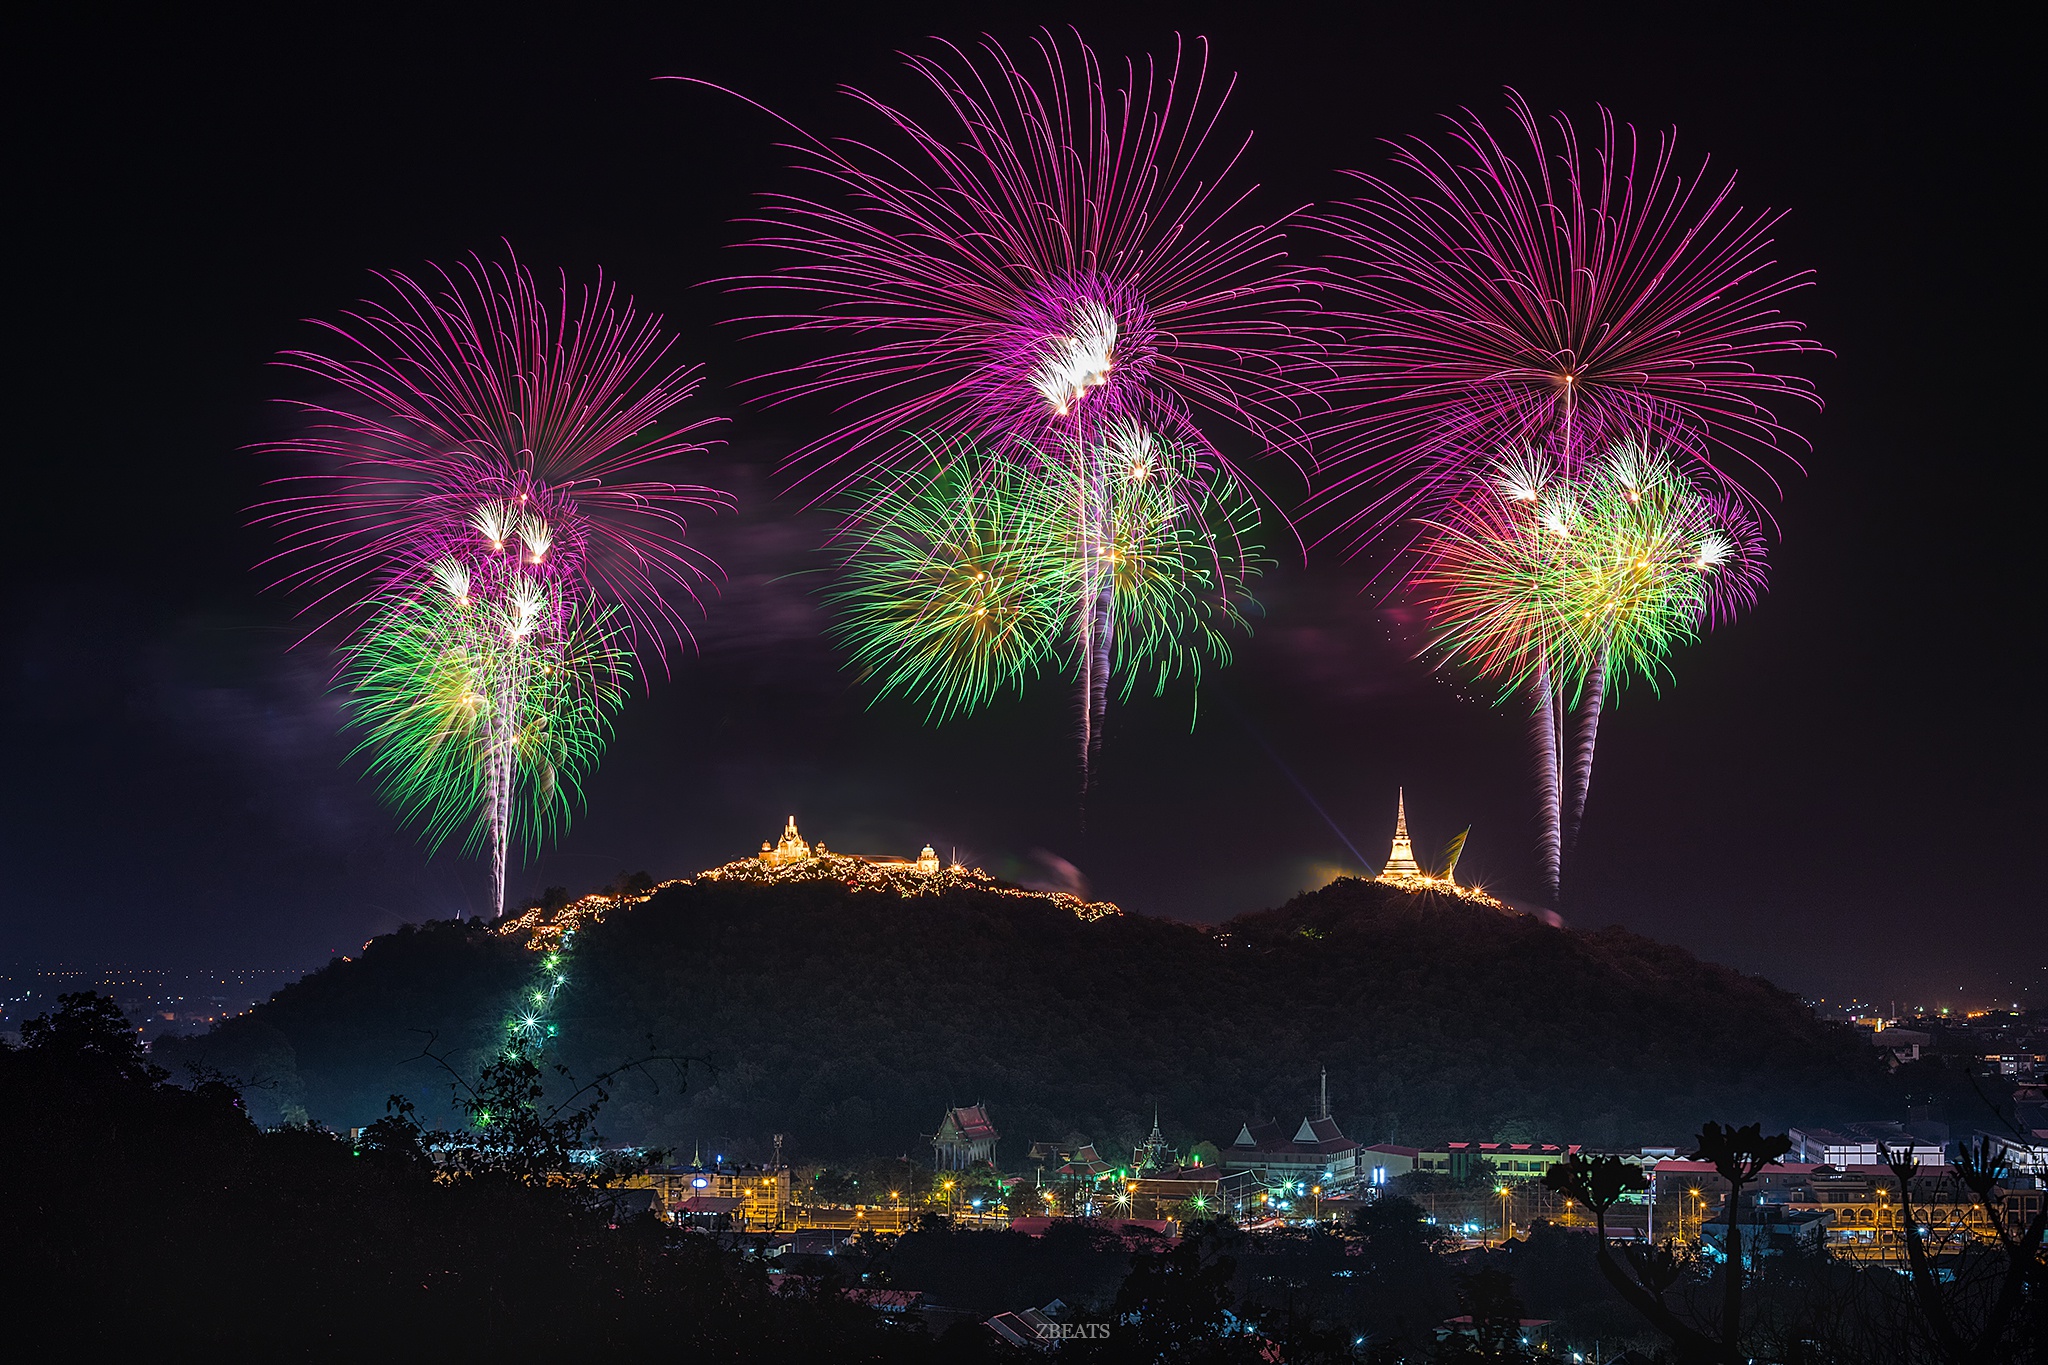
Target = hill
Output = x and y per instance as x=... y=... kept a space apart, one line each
x=850 y=1019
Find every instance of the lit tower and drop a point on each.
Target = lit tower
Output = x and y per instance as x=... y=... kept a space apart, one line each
x=1401 y=862
x=1154 y=1151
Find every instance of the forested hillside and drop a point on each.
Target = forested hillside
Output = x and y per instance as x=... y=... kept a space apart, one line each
x=850 y=1021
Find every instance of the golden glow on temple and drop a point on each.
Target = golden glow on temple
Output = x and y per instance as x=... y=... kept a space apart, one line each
x=793 y=859
x=1404 y=872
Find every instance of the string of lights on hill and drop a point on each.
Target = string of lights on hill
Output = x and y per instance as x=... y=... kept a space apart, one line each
x=796 y=861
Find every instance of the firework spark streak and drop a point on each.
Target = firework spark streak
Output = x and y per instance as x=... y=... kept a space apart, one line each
x=1052 y=256
x=477 y=388
x=483 y=516
x=1123 y=564
x=1564 y=582
x=1583 y=282
x=485 y=701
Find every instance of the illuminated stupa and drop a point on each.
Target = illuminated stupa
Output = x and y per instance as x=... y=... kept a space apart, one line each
x=1403 y=871
x=1400 y=863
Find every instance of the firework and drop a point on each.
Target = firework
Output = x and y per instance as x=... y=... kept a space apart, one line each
x=483 y=514
x=1561 y=582
x=1120 y=563
x=1498 y=296
x=1159 y=552
x=478 y=391
x=484 y=695
x=951 y=591
x=1056 y=254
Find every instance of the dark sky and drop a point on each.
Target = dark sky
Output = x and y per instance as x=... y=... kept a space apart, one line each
x=1842 y=791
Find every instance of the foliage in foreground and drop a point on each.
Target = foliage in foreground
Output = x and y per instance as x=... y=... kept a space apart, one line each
x=138 y=1213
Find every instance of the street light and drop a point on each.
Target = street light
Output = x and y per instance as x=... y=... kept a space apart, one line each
x=1507 y=1222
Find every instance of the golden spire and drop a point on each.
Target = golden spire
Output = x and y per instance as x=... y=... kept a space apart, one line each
x=1401 y=862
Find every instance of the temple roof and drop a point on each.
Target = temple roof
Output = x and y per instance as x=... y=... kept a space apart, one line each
x=968 y=1124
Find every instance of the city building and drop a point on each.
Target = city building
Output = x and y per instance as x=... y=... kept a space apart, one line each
x=1857 y=1207
x=1511 y=1161
x=754 y=1197
x=1384 y=1161
x=965 y=1138
x=1773 y=1230
x=1318 y=1153
x=1204 y=1190
x=1864 y=1144
x=1084 y=1163
x=1027 y=1328
x=1152 y=1153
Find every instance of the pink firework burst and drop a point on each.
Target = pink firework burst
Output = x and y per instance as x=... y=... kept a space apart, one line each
x=1571 y=282
x=1056 y=254
x=474 y=395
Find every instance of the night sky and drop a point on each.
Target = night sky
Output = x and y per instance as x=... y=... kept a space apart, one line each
x=1842 y=791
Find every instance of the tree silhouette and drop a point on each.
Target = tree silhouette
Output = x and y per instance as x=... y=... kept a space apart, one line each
x=1982 y=1167
x=1738 y=1155
x=1599 y=1183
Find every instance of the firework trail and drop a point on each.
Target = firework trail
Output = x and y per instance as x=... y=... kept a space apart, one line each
x=1116 y=565
x=483 y=514
x=484 y=699
x=1057 y=257
x=1543 y=292
x=1564 y=580
x=477 y=388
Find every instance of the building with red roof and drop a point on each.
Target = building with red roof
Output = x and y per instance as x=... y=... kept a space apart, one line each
x=965 y=1138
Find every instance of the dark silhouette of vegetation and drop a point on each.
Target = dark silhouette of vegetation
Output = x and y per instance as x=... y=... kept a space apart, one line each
x=1738 y=1155
x=1487 y=1297
x=851 y=1021
x=1967 y=1311
x=1949 y=1303
x=144 y=1216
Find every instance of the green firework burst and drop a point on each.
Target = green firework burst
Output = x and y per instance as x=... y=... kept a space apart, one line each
x=968 y=578
x=485 y=708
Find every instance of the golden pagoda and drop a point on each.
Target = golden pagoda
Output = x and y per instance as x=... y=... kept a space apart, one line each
x=1401 y=862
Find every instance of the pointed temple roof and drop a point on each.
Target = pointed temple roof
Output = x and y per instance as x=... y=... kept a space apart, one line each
x=1401 y=862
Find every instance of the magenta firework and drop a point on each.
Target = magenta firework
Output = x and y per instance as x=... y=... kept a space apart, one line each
x=483 y=516
x=1492 y=290
x=1056 y=251
x=474 y=396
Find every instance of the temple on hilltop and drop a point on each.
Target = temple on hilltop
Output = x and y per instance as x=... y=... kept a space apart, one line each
x=1401 y=866
x=794 y=859
x=791 y=850
x=1402 y=869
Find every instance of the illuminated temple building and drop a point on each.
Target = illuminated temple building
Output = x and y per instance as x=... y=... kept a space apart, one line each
x=1400 y=862
x=1404 y=871
x=792 y=851
x=792 y=858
